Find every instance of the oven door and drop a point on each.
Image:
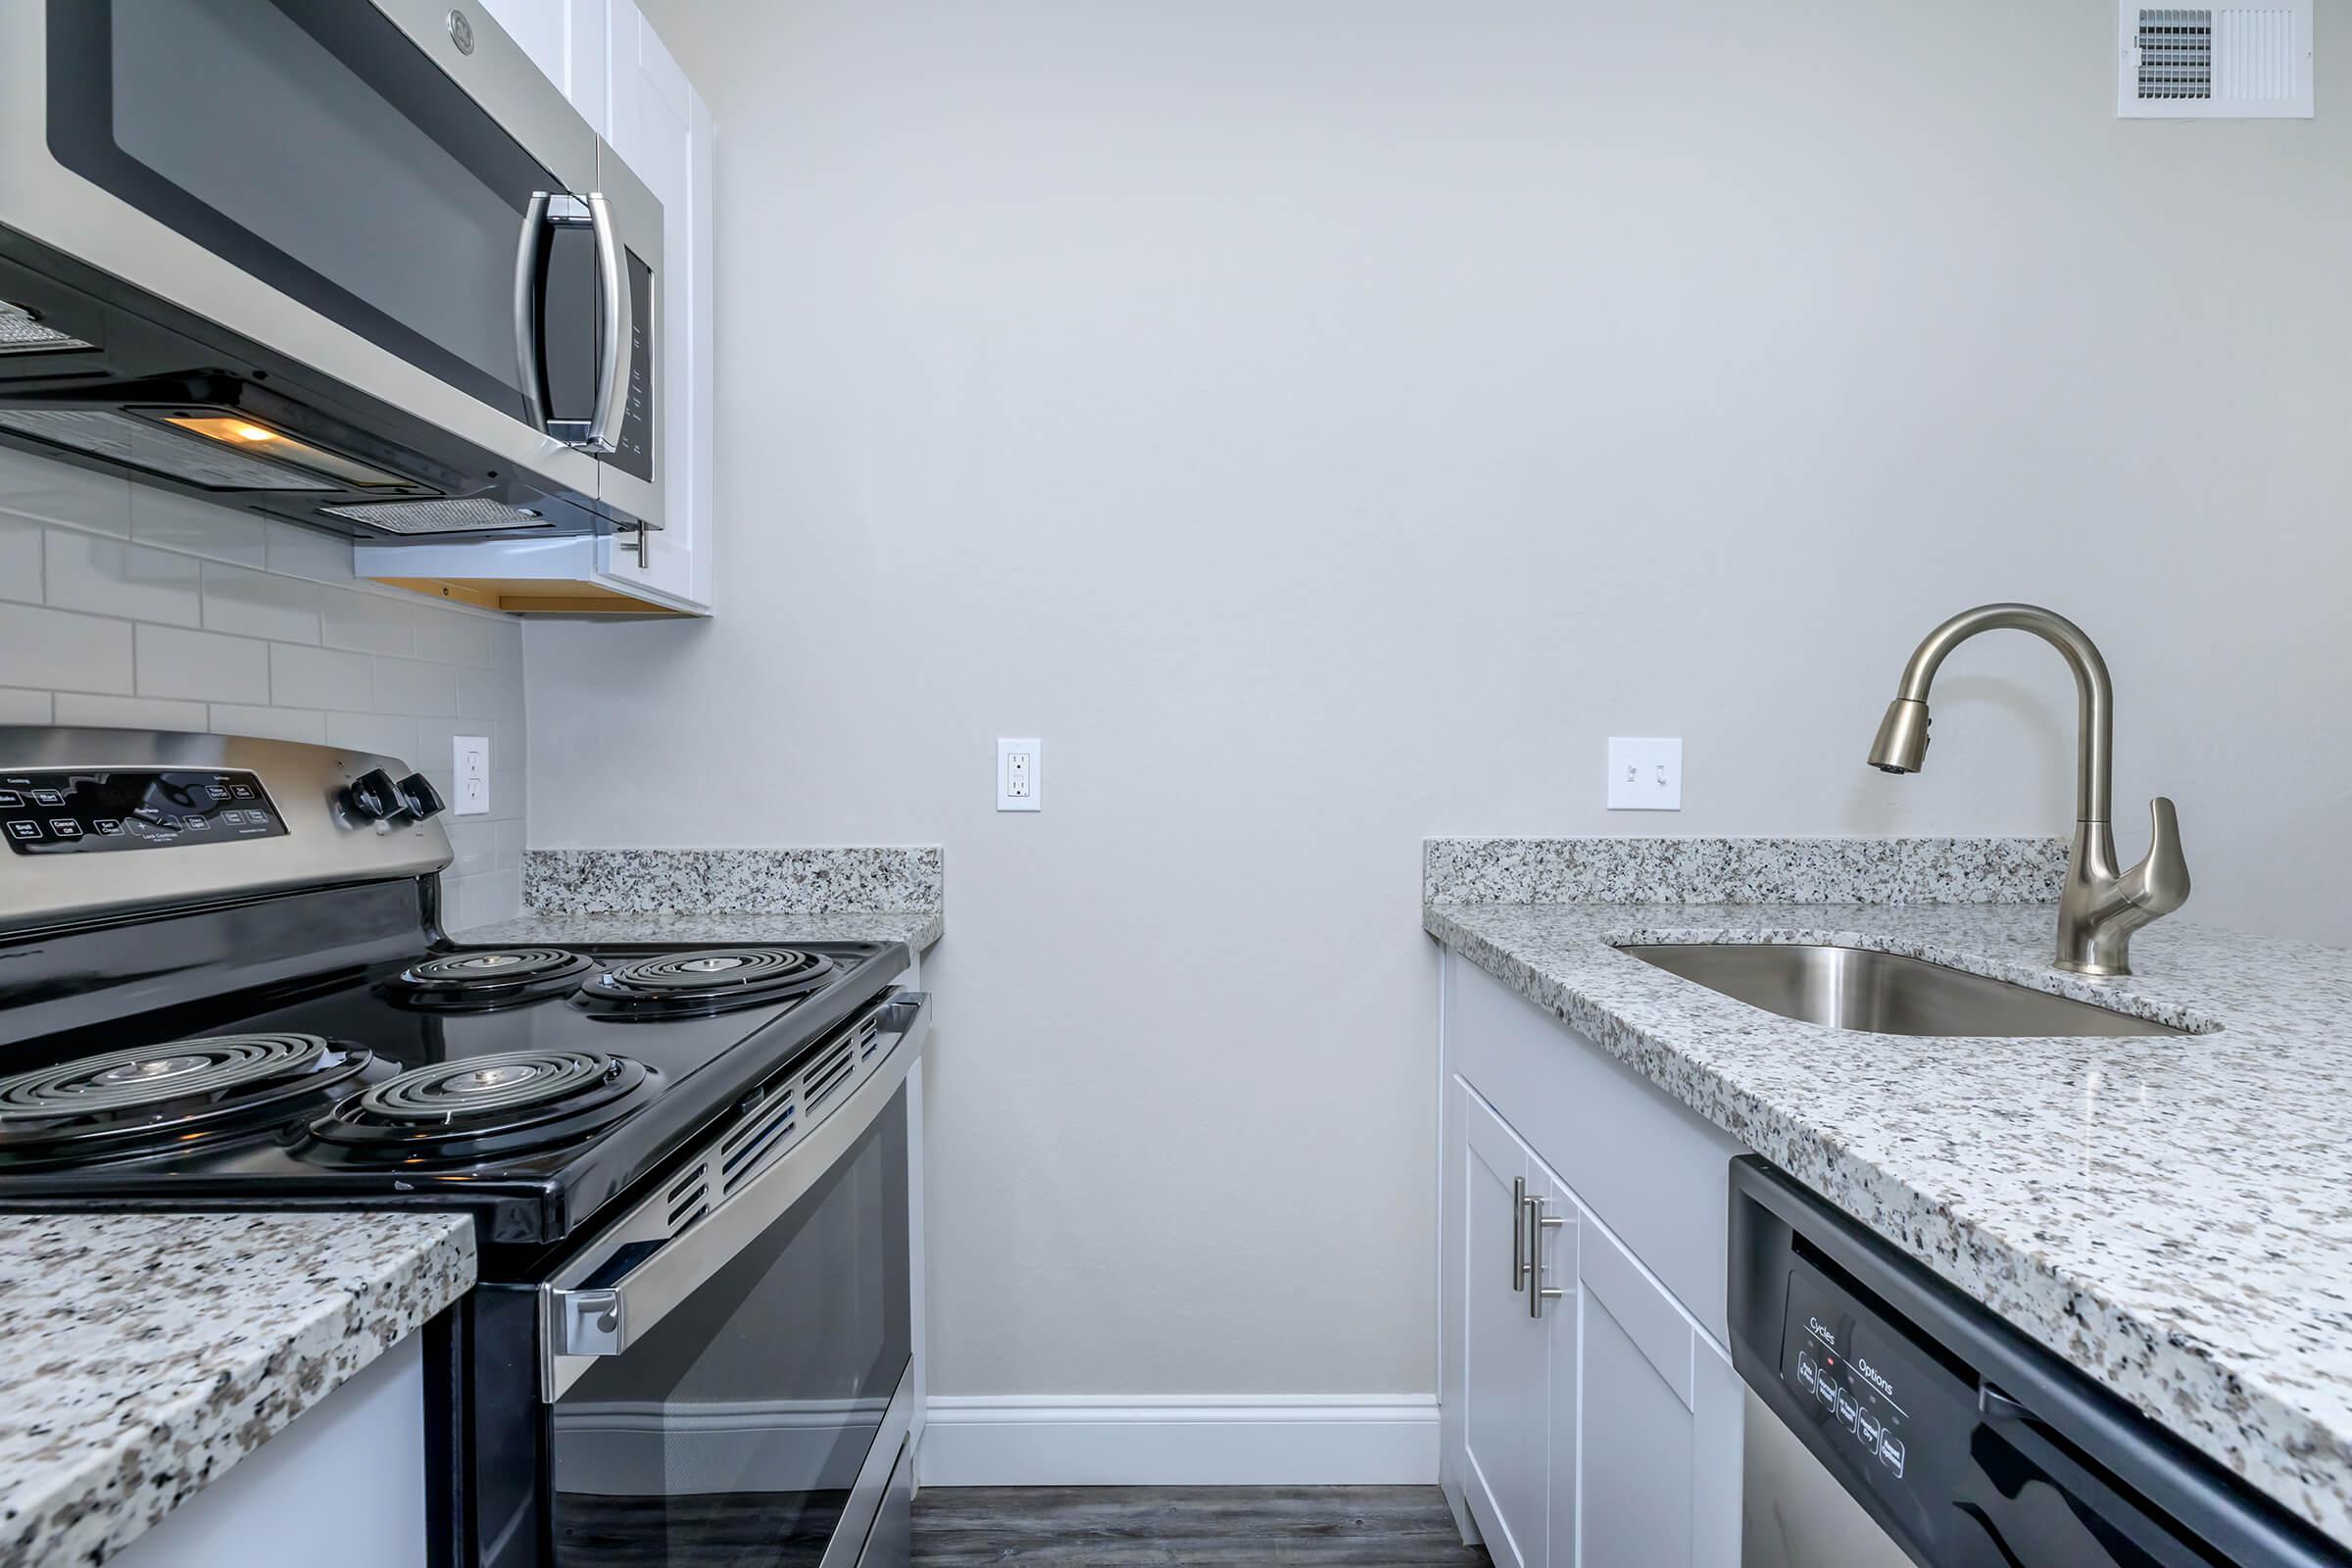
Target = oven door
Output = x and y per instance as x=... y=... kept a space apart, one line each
x=749 y=1388
x=385 y=192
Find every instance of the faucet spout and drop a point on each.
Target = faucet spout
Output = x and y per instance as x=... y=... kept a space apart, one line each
x=2100 y=906
x=2094 y=758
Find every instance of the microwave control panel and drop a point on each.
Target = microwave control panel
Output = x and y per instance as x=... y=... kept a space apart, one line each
x=635 y=452
x=108 y=810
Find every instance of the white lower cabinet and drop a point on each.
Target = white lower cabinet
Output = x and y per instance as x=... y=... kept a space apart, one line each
x=1505 y=1394
x=1600 y=1428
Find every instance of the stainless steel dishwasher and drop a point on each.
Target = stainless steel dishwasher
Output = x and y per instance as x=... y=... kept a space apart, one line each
x=1891 y=1420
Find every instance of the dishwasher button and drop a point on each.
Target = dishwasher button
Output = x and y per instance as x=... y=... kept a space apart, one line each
x=1867 y=1428
x=1847 y=1412
x=1891 y=1453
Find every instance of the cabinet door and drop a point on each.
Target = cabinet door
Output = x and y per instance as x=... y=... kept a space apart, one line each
x=1503 y=1384
x=1658 y=1471
x=565 y=40
x=1558 y=1268
x=663 y=130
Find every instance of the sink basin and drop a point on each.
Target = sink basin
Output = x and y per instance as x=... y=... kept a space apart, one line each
x=1881 y=992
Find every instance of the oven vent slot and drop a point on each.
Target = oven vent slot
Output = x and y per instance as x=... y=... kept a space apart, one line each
x=869 y=1037
x=821 y=1080
x=689 y=1198
x=746 y=1147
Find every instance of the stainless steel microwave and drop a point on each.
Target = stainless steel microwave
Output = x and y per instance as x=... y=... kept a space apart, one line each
x=351 y=263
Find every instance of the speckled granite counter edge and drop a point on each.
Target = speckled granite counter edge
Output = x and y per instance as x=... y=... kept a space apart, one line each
x=122 y=1465
x=861 y=879
x=1657 y=869
x=917 y=928
x=2180 y=1381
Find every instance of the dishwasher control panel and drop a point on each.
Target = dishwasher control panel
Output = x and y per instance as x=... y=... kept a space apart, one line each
x=1850 y=1390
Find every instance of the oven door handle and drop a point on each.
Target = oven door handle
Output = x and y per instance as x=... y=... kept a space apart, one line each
x=615 y=1292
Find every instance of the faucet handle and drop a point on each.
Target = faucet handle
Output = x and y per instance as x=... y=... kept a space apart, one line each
x=2159 y=883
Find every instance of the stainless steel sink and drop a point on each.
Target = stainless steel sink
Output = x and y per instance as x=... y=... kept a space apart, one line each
x=1881 y=992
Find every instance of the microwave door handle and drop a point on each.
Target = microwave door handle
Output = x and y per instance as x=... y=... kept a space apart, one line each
x=585 y=1312
x=617 y=327
x=530 y=305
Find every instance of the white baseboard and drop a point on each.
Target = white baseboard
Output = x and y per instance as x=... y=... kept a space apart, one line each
x=1125 y=1441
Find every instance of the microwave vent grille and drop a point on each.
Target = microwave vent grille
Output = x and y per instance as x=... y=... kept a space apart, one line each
x=456 y=515
x=20 y=333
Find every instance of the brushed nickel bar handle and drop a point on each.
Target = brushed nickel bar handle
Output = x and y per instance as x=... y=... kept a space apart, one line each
x=1518 y=1233
x=1538 y=1222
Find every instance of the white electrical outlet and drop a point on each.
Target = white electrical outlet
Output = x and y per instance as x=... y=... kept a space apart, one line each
x=1644 y=775
x=1017 y=775
x=470 y=769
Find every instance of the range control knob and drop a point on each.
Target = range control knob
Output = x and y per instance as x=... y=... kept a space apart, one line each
x=421 y=797
x=374 y=798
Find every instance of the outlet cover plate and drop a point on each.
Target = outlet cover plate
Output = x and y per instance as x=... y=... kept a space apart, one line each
x=469 y=771
x=1645 y=774
x=1019 y=767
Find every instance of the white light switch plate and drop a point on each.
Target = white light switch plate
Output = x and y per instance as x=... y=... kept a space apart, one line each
x=1644 y=775
x=1018 y=764
x=469 y=770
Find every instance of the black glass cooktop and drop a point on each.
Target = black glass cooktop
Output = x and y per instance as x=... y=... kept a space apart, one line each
x=502 y=1080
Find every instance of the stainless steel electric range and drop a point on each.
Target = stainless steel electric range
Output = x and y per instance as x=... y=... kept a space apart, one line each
x=223 y=983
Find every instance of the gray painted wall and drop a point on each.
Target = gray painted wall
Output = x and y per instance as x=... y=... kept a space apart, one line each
x=1325 y=425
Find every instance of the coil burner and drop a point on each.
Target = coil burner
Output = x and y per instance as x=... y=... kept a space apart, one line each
x=492 y=978
x=711 y=980
x=481 y=1106
x=124 y=1104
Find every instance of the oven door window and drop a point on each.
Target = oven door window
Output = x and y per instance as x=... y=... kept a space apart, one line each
x=733 y=1433
x=315 y=147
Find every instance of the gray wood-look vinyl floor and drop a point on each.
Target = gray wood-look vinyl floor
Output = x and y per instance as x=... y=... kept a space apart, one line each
x=1115 y=1527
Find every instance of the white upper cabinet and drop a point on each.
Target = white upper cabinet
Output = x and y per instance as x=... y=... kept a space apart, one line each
x=661 y=130
x=615 y=72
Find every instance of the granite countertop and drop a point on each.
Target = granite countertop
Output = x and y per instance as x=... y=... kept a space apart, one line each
x=875 y=893
x=917 y=928
x=2173 y=1213
x=148 y=1353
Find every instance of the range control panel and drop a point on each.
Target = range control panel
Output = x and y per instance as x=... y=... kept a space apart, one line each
x=102 y=811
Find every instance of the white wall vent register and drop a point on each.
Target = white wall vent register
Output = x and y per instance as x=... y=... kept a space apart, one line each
x=2214 y=61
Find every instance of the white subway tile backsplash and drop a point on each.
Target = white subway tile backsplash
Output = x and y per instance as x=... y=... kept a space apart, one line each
x=175 y=663
x=173 y=521
x=298 y=552
x=474 y=842
x=110 y=578
x=128 y=713
x=270 y=723
x=257 y=604
x=321 y=677
x=20 y=559
x=409 y=686
x=59 y=492
x=478 y=900
x=372 y=623
x=121 y=605
x=381 y=733
x=496 y=692
x=26 y=707
x=57 y=649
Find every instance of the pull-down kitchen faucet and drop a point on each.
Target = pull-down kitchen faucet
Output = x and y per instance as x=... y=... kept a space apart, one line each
x=2100 y=906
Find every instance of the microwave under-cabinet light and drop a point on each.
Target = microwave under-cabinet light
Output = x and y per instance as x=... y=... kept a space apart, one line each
x=246 y=435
